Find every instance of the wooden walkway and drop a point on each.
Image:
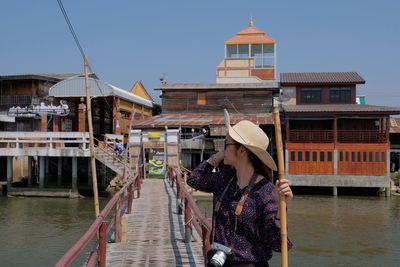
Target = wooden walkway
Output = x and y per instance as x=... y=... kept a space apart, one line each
x=155 y=232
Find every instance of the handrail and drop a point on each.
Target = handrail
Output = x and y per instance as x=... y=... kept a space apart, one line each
x=124 y=161
x=100 y=225
x=193 y=215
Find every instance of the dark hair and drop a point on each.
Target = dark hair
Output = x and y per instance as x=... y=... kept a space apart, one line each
x=259 y=166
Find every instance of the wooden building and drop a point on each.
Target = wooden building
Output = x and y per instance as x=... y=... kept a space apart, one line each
x=245 y=85
x=111 y=106
x=25 y=90
x=330 y=140
x=50 y=148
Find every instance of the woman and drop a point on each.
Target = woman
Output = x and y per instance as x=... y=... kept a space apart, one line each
x=246 y=214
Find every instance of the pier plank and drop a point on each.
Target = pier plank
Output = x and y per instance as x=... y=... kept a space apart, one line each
x=155 y=232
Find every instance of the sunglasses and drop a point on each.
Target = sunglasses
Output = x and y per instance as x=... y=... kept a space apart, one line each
x=229 y=144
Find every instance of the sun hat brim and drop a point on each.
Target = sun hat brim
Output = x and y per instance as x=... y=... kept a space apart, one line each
x=262 y=154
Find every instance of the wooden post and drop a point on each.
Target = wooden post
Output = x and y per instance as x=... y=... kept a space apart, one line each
x=117 y=228
x=281 y=171
x=130 y=199
x=188 y=219
x=205 y=236
x=74 y=174
x=91 y=141
x=103 y=245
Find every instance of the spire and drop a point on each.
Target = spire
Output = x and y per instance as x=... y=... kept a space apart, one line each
x=251 y=23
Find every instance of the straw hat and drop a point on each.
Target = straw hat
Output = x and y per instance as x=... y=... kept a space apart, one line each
x=252 y=137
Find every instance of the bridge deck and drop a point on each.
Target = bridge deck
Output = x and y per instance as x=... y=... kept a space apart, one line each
x=155 y=232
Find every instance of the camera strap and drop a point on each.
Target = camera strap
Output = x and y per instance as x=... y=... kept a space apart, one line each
x=239 y=206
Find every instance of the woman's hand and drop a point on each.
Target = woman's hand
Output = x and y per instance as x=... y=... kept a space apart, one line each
x=283 y=188
x=216 y=158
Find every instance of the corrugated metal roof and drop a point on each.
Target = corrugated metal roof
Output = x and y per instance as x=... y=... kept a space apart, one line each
x=343 y=108
x=75 y=87
x=394 y=125
x=321 y=77
x=191 y=86
x=197 y=120
x=40 y=76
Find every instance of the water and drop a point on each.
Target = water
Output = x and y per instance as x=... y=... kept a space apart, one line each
x=38 y=231
x=327 y=231
x=342 y=231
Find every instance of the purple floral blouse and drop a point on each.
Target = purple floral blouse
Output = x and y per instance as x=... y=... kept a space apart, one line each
x=256 y=234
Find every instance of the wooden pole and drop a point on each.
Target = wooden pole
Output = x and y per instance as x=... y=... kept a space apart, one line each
x=281 y=171
x=91 y=141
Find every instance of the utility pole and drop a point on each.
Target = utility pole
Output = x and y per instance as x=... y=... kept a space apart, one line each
x=91 y=139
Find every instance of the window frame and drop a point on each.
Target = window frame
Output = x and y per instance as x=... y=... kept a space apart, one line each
x=310 y=95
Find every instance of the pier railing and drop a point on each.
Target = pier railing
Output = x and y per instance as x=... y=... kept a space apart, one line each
x=192 y=214
x=44 y=144
x=124 y=197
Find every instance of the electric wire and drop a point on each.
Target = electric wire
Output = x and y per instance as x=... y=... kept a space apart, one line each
x=71 y=29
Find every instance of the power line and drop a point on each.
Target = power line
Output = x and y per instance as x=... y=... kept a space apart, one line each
x=71 y=29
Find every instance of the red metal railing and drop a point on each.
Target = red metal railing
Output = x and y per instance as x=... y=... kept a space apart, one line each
x=192 y=213
x=101 y=227
x=364 y=136
x=343 y=136
x=316 y=136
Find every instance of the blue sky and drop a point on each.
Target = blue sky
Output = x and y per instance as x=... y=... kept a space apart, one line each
x=126 y=41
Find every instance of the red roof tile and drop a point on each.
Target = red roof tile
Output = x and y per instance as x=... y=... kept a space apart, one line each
x=341 y=108
x=321 y=77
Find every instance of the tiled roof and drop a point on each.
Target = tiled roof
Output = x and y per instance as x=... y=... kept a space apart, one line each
x=321 y=77
x=183 y=86
x=394 y=125
x=343 y=109
x=251 y=35
x=196 y=120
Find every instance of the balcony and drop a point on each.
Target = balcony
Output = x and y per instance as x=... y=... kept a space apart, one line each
x=311 y=136
x=361 y=136
x=15 y=100
x=343 y=136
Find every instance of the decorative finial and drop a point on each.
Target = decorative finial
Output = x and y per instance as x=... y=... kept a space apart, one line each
x=251 y=24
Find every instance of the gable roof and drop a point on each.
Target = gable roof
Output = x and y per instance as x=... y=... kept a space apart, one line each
x=75 y=87
x=321 y=78
x=139 y=90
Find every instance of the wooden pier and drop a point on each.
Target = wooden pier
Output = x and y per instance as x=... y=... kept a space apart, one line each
x=155 y=232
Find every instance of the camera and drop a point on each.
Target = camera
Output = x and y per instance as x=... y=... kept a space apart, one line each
x=221 y=254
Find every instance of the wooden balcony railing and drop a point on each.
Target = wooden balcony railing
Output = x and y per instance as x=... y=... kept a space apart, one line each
x=311 y=136
x=15 y=100
x=343 y=136
x=364 y=136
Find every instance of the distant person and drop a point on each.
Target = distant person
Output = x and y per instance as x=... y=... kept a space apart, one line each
x=246 y=218
x=119 y=147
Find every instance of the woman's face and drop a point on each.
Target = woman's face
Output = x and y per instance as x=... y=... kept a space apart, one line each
x=230 y=152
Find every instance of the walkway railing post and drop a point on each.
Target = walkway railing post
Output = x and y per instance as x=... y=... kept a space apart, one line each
x=178 y=192
x=103 y=245
x=117 y=231
x=130 y=199
x=206 y=243
x=188 y=220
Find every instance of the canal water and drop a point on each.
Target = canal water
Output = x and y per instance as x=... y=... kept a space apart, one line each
x=38 y=231
x=327 y=231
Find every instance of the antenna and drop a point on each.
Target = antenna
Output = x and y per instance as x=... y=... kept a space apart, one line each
x=162 y=79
